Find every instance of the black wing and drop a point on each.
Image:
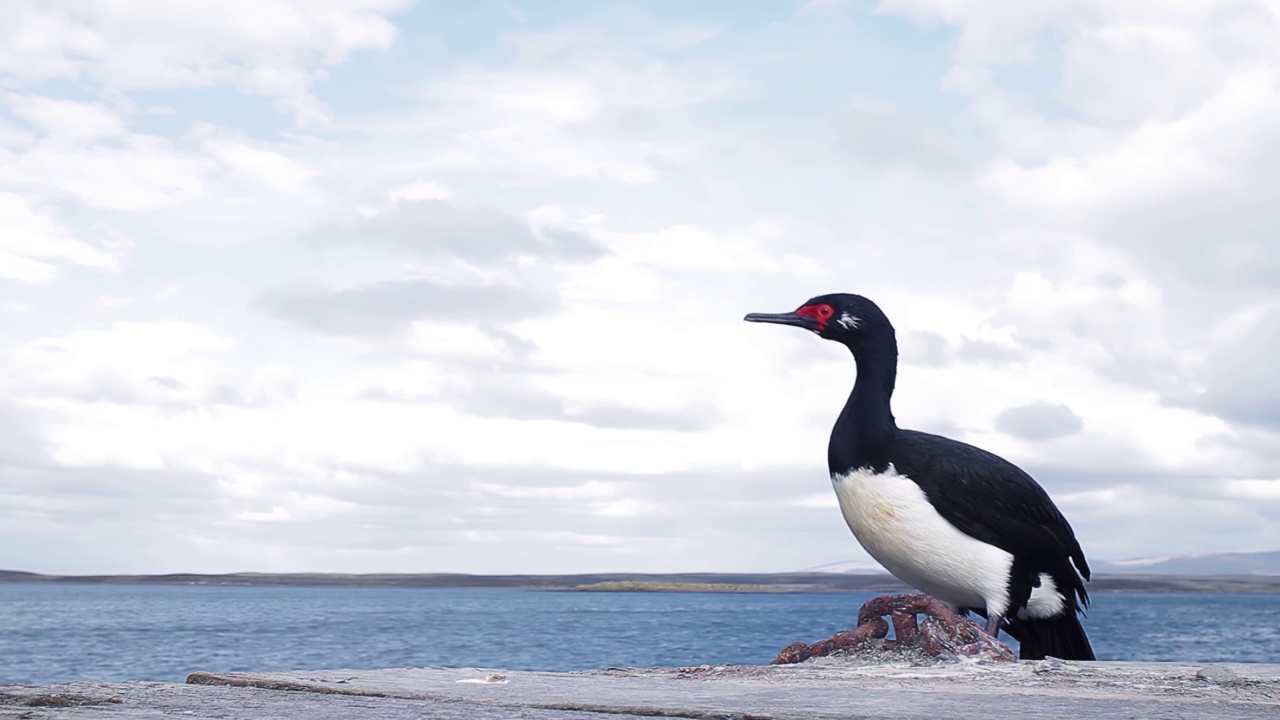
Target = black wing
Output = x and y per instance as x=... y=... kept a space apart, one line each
x=991 y=499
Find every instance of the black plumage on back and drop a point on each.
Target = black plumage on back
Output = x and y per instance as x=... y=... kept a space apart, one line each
x=993 y=500
x=988 y=498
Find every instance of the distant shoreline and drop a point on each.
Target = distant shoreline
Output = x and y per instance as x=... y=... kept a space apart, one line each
x=640 y=582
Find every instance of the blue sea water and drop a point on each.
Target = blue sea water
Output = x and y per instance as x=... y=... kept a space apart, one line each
x=53 y=633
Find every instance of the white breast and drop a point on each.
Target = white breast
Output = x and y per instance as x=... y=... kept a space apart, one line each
x=894 y=522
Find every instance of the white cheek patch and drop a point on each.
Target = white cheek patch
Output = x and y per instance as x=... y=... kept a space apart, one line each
x=847 y=321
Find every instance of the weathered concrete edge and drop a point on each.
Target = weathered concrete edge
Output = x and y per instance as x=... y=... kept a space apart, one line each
x=650 y=692
x=266 y=683
x=808 y=691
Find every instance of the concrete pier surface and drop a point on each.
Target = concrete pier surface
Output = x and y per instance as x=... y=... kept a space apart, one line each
x=826 y=688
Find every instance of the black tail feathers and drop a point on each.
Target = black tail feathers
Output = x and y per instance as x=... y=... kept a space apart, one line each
x=1061 y=637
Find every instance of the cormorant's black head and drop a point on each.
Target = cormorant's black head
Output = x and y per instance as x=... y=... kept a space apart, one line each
x=849 y=319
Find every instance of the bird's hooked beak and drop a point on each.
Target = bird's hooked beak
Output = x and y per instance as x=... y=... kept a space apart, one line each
x=790 y=318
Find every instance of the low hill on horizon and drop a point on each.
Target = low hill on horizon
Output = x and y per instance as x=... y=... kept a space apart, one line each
x=1236 y=563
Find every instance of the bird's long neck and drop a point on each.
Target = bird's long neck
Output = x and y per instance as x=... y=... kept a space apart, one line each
x=864 y=433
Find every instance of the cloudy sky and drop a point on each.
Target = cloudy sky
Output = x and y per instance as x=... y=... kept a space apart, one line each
x=377 y=285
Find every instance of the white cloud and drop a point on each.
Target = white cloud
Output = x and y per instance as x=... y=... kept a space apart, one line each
x=143 y=173
x=67 y=120
x=32 y=238
x=551 y=114
x=112 y=302
x=258 y=164
x=263 y=48
x=137 y=353
x=421 y=190
x=1196 y=151
x=22 y=269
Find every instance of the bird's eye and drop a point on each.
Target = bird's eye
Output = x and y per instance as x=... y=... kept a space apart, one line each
x=825 y=311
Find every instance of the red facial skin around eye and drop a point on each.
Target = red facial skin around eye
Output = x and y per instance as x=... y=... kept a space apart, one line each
x=820 y=313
